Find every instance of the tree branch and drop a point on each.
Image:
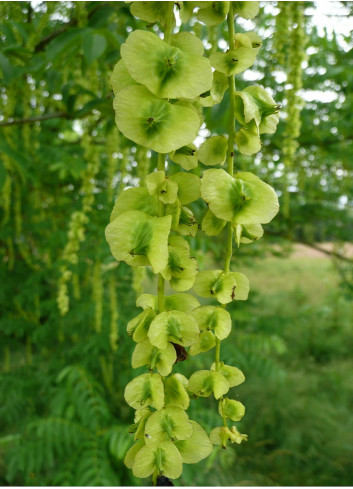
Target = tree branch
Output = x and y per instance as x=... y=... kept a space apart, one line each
x=30 y=120
x=332 y=254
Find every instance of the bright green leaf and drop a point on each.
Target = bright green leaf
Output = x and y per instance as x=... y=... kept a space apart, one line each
x=195 y=448
x=242 y=199
x=164 y=458
x=121 y=78
x=233 y=62
x=231 y=409
x=186 y=156
x=233 y=375
x=225 y=287
x=188 y=187
x=173 y=326
x=135 y=199
x=213 y=318
x=162 y=187
x=165 y=70
x=206 y=341
x=212 y=14
x=139 y=239
x=153 y=122
x=147 y=354
x=145 y=390
x=211 y=224
x=247 y=10
x=204 y=382
x=131 y=454
x=139 y=325
x=175 y=391
x=213 y=151
x=169 y=424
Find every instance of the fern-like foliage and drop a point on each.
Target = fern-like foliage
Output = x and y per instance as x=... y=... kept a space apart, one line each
x=78 y=444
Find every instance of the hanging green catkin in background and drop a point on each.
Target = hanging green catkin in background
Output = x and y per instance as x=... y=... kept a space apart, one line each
x=113 y=145
x=296 y=56
x=114 y=313
x=97 y=296
x=77 y=225
x=281 y=33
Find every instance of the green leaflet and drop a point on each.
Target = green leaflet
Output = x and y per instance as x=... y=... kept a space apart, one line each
x=173 y=210
x=165 y=189
x=187 y=9
x=145 y=390
x=188 y=187
x=233 y=375
x=151 y=11
x=121 y=78
x=139 y=325
x=139 y=239
x=220 y=436
x=211 y=225
x=186 y=156
x=255 y=39
x=241 y=40
x=254 y=102
x=247 y=233
x=147 y=354
x=165 y=70
x=141 y=417
x=242 y=199
x=231 y=409
x=223 y=286
x=256 y=110
x=179 y=302
x=169 y=424
x=248 y=139
x=181 y=268
x=131 y=453
x=213 y=318
x=247 y=10
x=175 y=388
x=204 y=382
x=206 y=341
x=164 y=458
x=213 y=151
x=188 y=42
x=187 y=225
x=175 y=327
x=219 y=86
x=195 y=448
x=135 y=199
x=233 y=62
x=212 y=13
x=153 y=122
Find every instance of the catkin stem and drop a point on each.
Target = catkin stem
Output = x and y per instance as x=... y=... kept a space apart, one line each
x=161 y=281
x=230 y=169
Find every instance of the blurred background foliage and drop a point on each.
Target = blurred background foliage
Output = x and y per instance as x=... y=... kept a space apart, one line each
x=63 y=419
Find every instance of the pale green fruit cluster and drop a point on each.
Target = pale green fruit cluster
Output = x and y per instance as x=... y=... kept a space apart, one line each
x=160 y=89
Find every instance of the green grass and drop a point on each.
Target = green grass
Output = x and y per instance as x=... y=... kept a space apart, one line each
x=293 y=340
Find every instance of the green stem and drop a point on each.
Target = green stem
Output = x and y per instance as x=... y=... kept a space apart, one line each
x=154 y=477
x=229 y=247
x=230 y=169
x=169 y=23
x=231 y=83
x=161 y=281
x=217 y=353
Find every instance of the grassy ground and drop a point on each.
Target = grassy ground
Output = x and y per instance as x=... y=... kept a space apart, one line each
x=293 y=340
